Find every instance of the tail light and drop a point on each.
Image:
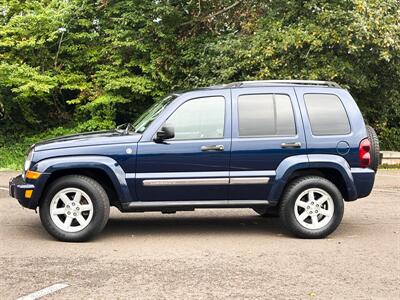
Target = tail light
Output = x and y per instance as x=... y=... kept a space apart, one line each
x=365 y=156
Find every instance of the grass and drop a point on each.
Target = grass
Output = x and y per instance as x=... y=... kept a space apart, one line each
x=14 y=147
x=13 y=153
x=389 y=167
x=6 y=170
x=12 y=157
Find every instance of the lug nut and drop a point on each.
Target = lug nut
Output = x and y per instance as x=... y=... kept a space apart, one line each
x=73 y=204
x=68 y=213
x=316 y=211
x=77 y=208
x=67 y=206
x=312 y=203
x=75 y=214
x=308 y=207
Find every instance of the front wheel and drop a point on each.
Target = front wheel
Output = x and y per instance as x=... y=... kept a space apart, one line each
x=311 y=207
x=74 y=208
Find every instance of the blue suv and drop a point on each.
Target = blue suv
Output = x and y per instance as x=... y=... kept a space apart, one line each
x=294 y=149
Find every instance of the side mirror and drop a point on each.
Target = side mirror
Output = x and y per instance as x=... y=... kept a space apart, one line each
x=164 y=133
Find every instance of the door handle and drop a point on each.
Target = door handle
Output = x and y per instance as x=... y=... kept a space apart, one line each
x=291 y=145
x=212 y=148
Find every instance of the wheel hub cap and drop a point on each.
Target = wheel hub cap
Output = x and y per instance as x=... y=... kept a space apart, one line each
x=314 y=208
x=71 y=210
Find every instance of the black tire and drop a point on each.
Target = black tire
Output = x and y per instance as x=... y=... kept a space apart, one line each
x=98 y=196
x=287 y=207
x=373 y=138
x=268 y=212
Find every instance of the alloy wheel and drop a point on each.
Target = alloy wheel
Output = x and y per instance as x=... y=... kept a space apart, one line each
x=71 y=209
x=314 y=208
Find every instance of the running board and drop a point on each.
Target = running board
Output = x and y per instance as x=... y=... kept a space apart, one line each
x=189 y=205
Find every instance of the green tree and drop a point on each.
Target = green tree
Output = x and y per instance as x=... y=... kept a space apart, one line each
x=87 y=65
x=355 y=43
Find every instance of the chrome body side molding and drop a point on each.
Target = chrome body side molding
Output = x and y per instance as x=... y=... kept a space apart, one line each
x=206 y=181
x=196 y=181
x=249 y=180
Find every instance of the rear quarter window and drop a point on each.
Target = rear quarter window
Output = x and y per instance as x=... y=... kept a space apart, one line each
x=327 y=114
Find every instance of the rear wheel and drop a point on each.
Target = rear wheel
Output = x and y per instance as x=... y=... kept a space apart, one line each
x=311 y=207
x=75 y=208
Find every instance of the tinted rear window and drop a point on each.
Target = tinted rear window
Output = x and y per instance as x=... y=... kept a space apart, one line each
x=327 y=114
x=266 y=115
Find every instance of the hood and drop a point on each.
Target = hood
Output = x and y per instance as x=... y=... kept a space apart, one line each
x=88 y=139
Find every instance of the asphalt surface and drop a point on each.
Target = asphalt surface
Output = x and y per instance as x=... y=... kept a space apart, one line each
x=208 y=254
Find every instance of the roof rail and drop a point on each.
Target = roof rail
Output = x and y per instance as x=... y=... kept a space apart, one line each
x=299 y=82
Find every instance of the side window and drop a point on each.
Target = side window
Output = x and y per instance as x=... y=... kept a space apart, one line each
x=266 y=115
x=327 y=114
x=201 y=118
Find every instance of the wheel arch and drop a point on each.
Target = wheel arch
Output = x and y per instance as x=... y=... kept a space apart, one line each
x=332 y=167
x=332 y=174
x=102 y=169
x=95 y=173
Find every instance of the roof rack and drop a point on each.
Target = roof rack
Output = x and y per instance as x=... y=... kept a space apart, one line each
x=273 y=82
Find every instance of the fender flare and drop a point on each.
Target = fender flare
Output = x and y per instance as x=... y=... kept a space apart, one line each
x=96 y=162
x=311 y=161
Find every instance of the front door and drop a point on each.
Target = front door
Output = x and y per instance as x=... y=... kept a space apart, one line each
x=194 y=165
x=267 y=129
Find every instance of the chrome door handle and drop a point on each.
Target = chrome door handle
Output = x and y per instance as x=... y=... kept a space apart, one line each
x=212 y=148
x=291 y=145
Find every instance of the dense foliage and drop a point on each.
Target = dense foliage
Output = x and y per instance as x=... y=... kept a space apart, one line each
x=82 y=65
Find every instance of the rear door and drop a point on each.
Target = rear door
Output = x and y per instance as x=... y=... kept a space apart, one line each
x=267 y=128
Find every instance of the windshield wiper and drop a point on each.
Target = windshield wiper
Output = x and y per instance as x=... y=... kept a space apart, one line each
x=125 y=128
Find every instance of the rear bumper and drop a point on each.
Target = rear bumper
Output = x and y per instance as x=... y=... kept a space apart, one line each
x=17 y=188
x=363 y=181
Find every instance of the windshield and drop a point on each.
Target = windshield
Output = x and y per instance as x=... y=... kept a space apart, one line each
x=151 y=114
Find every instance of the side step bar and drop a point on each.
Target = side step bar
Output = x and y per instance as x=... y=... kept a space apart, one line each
x=172 y=206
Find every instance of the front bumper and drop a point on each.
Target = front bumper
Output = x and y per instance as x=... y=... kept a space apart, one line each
x=17 y=187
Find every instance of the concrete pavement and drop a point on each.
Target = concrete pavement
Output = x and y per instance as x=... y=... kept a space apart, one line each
x=208 y=254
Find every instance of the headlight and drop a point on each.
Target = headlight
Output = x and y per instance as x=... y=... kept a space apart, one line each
x=28 y=160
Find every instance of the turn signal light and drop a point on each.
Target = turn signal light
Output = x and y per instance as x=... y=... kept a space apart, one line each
x=28 y=194
x=365 y=156
x=32 y=175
